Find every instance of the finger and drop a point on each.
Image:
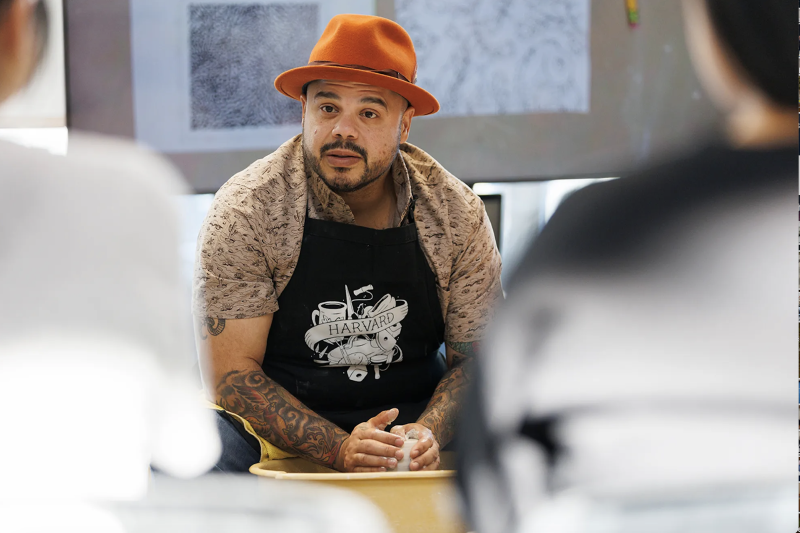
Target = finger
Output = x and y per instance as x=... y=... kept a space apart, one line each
x=374 y=461
x=427 y=458
x=367 y=469
x=434 y=465
x=398 y=430
x=381 y=436
x=374 y=447
x=384 y=418
x=421 y=447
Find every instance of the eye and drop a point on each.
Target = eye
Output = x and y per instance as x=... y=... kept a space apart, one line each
x=370 y=114
x=327 y=108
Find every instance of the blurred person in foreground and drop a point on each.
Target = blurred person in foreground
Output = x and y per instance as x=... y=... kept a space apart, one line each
x=95 y=349
x=641 y=376
x=330 y=272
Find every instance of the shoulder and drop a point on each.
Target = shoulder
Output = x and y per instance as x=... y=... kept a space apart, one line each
x=440 y=191
x=266 y=200
x=100 y=177
x=268 y=184
x=624 y=220
x=97 y=162
x=108 y=204
x=120 y=162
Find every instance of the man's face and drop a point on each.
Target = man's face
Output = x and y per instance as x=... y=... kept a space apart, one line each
x=352 y=131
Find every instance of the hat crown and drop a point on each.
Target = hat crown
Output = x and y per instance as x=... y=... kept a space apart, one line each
x=363 y=49
x=367 y=41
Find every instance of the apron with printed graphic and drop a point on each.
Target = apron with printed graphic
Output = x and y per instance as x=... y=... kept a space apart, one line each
x=359 y=325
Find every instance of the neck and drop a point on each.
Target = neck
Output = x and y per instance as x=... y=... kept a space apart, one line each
x=758 y=124
x=374 y=205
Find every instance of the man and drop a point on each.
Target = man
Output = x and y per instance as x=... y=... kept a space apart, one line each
x=641 y=377
x=330 y=272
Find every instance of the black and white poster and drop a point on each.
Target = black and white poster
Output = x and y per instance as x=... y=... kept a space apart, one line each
x=203 y=70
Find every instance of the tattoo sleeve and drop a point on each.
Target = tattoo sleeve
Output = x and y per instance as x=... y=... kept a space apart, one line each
x=279 y=417
x=442 y=412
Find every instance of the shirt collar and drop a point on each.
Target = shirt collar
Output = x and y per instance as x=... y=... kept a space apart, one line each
x=402 y=187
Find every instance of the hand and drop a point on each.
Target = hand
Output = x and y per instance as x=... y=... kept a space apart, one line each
x=369 y=448
x=425 y=454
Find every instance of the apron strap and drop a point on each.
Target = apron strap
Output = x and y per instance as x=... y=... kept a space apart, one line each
x=411 y=208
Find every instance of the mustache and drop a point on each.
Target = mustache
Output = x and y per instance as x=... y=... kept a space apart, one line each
x=344 y=145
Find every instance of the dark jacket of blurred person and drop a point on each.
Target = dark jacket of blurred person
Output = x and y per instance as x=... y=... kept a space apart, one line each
x=641 y=376
x=95 y=335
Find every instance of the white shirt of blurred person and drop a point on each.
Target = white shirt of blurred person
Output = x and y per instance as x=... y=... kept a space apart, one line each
x=641 y=376
x=96 y=346
x=357 y=255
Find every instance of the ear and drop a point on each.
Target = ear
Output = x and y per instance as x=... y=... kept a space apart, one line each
x=405 y=123
x=303 y=101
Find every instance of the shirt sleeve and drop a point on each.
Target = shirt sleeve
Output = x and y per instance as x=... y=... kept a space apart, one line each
x=232 y=277
x=475 y=286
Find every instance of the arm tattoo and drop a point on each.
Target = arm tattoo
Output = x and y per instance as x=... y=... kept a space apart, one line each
x=466 y=348
x=441 y=414
x=279 y=417
x=215 y=326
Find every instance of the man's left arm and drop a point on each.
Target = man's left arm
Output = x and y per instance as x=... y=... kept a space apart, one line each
x=441 y=414
x=437 y=424
x=475 y=289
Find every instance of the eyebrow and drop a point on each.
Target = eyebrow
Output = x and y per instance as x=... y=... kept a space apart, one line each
x=366 y=100
x=326 y=94
x=374 y=100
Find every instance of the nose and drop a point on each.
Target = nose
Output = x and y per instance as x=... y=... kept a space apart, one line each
x=345 y=127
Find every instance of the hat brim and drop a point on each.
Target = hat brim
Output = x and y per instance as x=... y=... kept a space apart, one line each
x=291 y=84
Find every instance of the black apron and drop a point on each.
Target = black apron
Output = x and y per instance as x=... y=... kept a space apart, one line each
x=359 y=325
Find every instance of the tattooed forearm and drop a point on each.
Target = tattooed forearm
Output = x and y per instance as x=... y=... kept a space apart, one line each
x=442 y=412
x=466 y=348
x=279 y=417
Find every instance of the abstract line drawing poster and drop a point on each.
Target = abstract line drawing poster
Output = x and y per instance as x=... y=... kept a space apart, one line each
x=203 y=70
x=490 y=57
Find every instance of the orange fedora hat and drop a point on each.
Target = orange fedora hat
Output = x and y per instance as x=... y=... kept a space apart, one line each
x=364 y=49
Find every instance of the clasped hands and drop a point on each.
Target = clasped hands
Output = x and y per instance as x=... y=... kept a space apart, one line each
x=371 y=449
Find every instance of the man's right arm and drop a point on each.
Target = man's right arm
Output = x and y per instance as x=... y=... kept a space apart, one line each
x=232 y=352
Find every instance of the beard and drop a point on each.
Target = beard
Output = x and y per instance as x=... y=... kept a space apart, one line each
x=338 y=180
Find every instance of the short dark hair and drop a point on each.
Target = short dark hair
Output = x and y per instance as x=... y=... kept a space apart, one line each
x=761 y=36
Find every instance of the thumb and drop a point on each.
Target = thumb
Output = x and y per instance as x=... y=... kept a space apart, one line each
x=384 y=418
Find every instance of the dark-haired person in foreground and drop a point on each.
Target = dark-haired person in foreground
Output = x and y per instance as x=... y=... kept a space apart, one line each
x=642 y=374
x=330 y=272
x=92 y=334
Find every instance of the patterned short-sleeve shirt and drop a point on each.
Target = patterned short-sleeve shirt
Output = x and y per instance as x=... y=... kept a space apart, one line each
x=250 y=241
